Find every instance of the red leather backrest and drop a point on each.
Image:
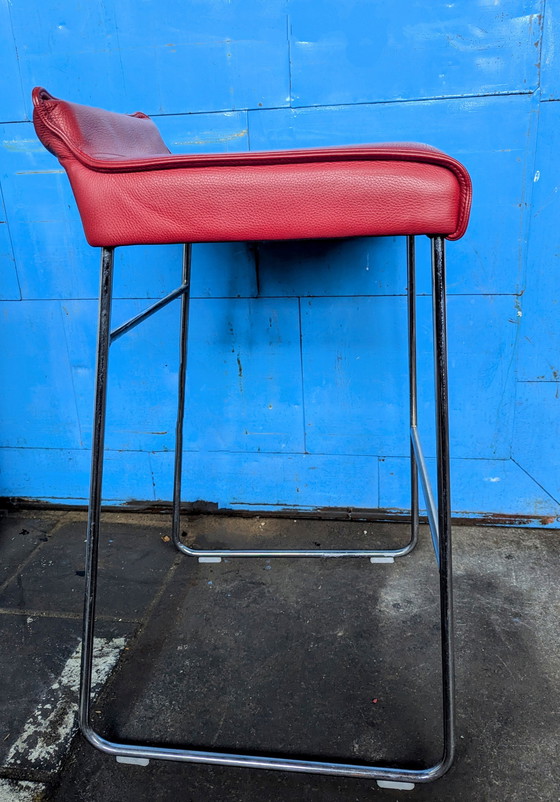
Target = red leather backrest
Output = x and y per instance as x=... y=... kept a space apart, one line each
x=67 y=129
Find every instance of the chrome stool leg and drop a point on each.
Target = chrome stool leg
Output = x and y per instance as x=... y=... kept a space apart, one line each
x=105 y=337
x=94 y=511
x=444 y=493
x=178 y=463
x=413 y=384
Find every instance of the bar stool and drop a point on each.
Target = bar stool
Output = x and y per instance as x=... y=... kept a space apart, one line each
x=131 y=190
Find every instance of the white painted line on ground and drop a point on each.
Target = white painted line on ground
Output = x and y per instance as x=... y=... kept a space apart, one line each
x=47 y=733
x=20 y=791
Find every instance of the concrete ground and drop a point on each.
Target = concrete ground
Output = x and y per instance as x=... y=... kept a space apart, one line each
x=329 y=658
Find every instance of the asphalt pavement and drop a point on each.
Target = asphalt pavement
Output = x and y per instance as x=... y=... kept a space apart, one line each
x=337 y=659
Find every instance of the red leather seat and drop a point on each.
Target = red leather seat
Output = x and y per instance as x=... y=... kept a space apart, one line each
x=131 y=190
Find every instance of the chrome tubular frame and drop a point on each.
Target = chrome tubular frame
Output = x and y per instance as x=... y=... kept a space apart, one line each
x=439 y=518
x=375 y=555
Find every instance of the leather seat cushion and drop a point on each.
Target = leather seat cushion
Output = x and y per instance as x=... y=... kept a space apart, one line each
x=131 y=190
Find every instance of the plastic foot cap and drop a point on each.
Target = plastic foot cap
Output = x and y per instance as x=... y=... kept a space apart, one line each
x=133 y=761
x=209 y=559
x=395 y=785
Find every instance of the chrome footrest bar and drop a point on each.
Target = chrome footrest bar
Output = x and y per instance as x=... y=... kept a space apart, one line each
x=137 y=753
x=427 y=489
x=134 y=321
x=388 y=553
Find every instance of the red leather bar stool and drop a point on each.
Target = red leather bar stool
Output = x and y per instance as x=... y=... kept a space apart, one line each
x=131 y=190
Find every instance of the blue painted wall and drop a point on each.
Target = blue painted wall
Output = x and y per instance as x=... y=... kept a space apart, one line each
x=297 y=388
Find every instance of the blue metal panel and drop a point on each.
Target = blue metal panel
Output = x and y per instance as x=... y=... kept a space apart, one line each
x=539 y=308
x=70 y=47
x=535 y=436
x=355 y=375
x=343 y=267
x=549 y=56
x=479 y=488
x=204 y=133
x=62 y=475
x=358 y=52
x=14 y=102
x=263 y=481
x=499 y=158
x=537 y=420
x=469 y=81
x=244 y=386
x=219 y=270
x=271 y=481
x=9 y=283
x=224 y=270
x=37 y=407
x=354 y=368
x=203 y=56
x=139 y=415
